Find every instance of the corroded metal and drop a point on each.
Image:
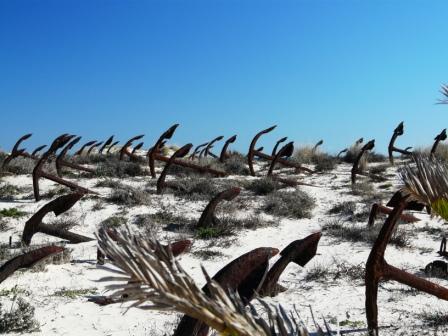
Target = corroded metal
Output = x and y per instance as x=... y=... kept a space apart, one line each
x=27 y=260
x=95 y=145
x=111 y=146
x=258 y=152
x=57 y=206
x=106 y=143
x=210 y=146
x=37 y=150
x=61 y=162
x=398 y=131
x=299 y=252
x=38 y=172
x=345 y=150
x=441 y=137
x=243 y=275
x=197 y=150
x=377 y=269
x=154 y=150
x=356 y=169
x=223 y=155
x=154 y=154
x=274 y=150
x=125 y=149
x=181 y=152
x=208 y=218
x=285 y=152
x=18 y=152
x=319 y=143
x=378 y=208
x=251 y=154
x=87 y=144
x=137 y=147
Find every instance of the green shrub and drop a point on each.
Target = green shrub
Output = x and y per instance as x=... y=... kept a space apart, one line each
x=114 y=222
x=8 y=191
x=236 y=164
x=263 y=186
x=125 y=195
x=434 y=318
x=357 y=233
x=117 y=168
x=207 y=254
x=324 y=162
x=213 y=232
x=12 y=212
x=296 y=204
x=19 y=318
x=74 y=293
x=21 y=166
x=346 y=208
x=195 y=188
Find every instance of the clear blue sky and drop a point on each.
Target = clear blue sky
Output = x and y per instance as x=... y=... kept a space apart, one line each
x=335 y=70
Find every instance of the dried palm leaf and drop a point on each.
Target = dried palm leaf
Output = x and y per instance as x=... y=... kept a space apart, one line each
x=426 y=181
x=151 y=278
x=444 y=91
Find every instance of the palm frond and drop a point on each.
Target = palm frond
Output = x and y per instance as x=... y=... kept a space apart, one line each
x=148 y=276
x=444 y=92
x=426 y=181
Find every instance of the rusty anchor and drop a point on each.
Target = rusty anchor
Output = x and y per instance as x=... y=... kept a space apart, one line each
x=244 y=275
x=345 y=150
x=61 y=162
x=27 y=260
x=300 y=252
x=95 y=145
x=125 y=149
x=208 y=218
x=154 y=154
x=248 y=275
x=181 y=152
x=154 y=151
x=37 y=150
x=316 y=146
x=356 y=169
x=87 y=144
x=441 y=137
x=398 y=131
x=18 y=152
x=224 y=154
x=136 y=148
x=38 y=172
x=274 y=150
x=252 y=152
x=258 y=152
x=197 y=150
x=207 y=149
x=111 y=146
x=106 y=143
x=57 y=206
x=379 y=208
x=133 y=155
x=285 y=152
x=378 y=269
